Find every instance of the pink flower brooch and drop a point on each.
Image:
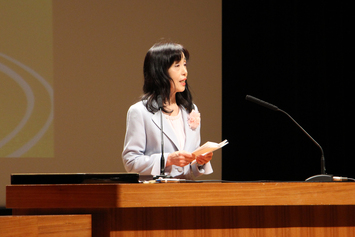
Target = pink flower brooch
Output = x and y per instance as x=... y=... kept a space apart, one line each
x=194 y=119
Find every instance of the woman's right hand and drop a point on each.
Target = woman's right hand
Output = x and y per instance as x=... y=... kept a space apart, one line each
x=179 y=158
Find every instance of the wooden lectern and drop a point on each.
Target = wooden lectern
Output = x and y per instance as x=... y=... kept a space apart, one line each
x=289 y=209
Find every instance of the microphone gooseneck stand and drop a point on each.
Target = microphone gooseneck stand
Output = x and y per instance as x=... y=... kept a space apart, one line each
x=162 y=159
x=323 y=177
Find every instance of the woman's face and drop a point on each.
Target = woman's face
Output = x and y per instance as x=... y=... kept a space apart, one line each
x=178 y=73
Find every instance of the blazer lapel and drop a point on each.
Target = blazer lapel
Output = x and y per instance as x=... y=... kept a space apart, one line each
x=188 y=131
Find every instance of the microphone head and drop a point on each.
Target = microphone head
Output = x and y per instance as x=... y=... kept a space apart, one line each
x=160 y=101
x=261 y=102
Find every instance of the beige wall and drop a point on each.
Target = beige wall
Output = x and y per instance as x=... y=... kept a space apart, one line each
x=98 y=52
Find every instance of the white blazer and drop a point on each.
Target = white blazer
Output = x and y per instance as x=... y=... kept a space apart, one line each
x=142 y=145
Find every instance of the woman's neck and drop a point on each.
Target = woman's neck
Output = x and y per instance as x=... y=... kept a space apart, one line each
x=172 y=99
x=172 y=106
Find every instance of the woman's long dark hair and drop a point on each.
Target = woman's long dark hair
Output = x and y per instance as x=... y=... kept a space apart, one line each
x=157 y=81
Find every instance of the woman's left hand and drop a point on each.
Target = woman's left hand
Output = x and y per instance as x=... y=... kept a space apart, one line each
x=203 y=159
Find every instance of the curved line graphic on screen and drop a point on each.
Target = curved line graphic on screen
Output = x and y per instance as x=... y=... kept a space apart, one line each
x=30 y=101
x=30 y=105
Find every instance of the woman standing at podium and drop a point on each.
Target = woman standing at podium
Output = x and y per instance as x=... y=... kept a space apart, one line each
x=165 y=76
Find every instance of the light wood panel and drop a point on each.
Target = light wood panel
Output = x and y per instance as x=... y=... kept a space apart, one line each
x=296 y=209
x=257 y=221
x=179 y=195
x=45 y=226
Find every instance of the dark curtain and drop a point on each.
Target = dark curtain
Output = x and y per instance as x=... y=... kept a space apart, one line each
x=298 y=56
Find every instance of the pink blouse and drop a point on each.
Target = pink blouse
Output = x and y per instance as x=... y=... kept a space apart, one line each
x=178 y=127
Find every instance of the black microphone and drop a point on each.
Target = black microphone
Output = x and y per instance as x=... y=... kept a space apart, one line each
x=261 y=102
x=162 y=159
x=323 y=177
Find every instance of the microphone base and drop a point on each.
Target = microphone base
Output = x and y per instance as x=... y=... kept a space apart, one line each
x=162 y=177
x=170 y=180
x=321 y=178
